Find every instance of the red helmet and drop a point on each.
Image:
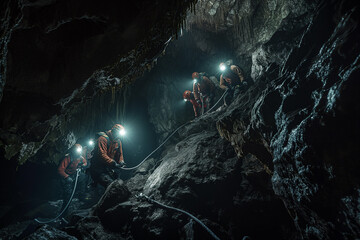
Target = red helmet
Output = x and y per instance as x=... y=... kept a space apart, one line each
x=117 y=130
x=187 y=95
x=195 y=75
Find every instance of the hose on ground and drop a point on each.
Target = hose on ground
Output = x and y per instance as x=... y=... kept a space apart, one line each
x=67 y=205
x=142 y=196
x=131 y=168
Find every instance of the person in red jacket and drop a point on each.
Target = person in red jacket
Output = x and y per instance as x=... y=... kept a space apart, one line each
x=203 y=89
x=189 y=96
x=68 y=166
x=108 y=154
x=67 y=170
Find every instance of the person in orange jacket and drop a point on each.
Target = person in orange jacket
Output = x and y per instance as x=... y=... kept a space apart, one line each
x=189 y=97
x=203 y=90
x=67 y=170
x=108 y=155
x=232 y=80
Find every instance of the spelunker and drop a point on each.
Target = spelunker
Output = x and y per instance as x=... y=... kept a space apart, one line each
x=67 y=170
x=108 y=155
x=189 y=97
x=203 y=89
x=232 y=80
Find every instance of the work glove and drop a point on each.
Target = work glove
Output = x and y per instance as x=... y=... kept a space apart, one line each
x=69 y=180
x=118 y=165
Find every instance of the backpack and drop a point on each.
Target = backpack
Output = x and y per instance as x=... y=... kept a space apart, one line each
x=201 y=75
x=96 y=137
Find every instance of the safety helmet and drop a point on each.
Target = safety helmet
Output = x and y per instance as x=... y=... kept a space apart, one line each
x=118 y=130
x=187 y=95
x=195 y=75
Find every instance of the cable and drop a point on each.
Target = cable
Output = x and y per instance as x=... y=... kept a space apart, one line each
x=131 y=168
x=141 y=196
x=67 y=205
x=218 y=101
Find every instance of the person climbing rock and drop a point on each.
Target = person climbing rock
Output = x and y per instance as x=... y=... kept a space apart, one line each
x=108 y=155
x=189 y=97
x=67 y=170
x=232 y=80
x=203 y=89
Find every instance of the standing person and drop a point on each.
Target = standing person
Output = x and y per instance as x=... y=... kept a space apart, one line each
x=232 y=80
x=189 y=97
x=108 y=155
x=67 y=170
x=203 y=89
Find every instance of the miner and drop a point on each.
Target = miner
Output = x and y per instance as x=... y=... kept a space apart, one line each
x=67 y=170
x=232 y=80
x=108 y=156
x=189 y=97
x=203 y=90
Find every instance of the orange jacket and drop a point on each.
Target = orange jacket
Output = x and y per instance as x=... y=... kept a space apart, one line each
x=206 y=87
x=111 y=152
x=68 y=167
x=225 y=82
x=196 y=106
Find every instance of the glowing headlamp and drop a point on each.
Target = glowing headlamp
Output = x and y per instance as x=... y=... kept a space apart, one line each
x=91 y=143
x=79 y=149
x=222 y=67
x=122 y=132
x=185 y=100
x=195 y=80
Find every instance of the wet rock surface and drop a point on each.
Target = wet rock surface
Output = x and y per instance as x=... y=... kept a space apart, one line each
x=279 y=163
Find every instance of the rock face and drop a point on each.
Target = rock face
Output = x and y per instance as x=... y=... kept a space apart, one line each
x=279 y=163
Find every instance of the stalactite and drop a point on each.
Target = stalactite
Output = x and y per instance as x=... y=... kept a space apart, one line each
x=112 y=95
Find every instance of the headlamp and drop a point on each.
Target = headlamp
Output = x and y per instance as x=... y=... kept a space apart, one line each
x=222 y=67
x=122 y=132
x=185 y=100
x=195 y=80
x=91 y=143
x=79 y=149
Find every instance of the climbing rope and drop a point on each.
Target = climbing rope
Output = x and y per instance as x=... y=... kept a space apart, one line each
x=218 y=101
x=131 y=168
x=142 y=196
x=67 y=205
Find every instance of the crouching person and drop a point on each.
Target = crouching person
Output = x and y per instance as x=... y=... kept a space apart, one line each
x=108 y=155
x=67 y=171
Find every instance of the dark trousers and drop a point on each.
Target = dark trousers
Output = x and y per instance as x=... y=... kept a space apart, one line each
x=103 y=176
x=207 y=101
x=230 y=95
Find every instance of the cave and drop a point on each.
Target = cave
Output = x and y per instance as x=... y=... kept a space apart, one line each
x=280 y=161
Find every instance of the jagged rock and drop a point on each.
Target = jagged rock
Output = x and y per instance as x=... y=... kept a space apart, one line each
x=47 y=232
x=278 y=163
x=117 y=192
x=90 y=228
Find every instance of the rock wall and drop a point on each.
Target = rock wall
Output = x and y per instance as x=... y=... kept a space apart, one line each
x=279 y=163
